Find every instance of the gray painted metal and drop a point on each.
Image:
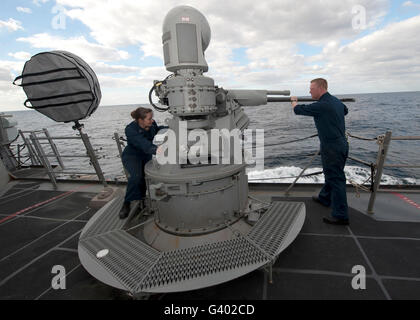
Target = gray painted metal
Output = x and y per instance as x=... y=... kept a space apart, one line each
x=44 y=160
x=37 y=153
x=31 y=152
x=106 y=219
x=8 y=133
x=4 y=176
x=287 y=192
x=135 y=266
x=128 y=261
x=120 y=150
x=54 y=148
x=192 y=95
x=254 y=97
x=93 y=158
x=384 y=142
x=8 y=158
x=200 y=208
x=186 y=35
x=272 y=229
x=8 y=129
x=186 y=201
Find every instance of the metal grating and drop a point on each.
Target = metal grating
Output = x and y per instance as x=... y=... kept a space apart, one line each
x=272 y=228
x=141 y=268
x=128 y=259
x=108 y=220
x=201 y=261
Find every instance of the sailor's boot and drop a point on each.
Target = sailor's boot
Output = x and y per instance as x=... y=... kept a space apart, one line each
x=125 y=210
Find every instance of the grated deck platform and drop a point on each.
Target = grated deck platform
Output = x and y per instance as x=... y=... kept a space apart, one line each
x=134 y=266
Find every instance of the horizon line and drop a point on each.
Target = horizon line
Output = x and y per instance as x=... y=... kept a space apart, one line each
x=131 y=104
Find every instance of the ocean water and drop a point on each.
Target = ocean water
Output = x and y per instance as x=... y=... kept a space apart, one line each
x=371 y=115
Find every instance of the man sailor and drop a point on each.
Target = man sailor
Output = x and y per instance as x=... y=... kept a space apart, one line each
x=328 y=113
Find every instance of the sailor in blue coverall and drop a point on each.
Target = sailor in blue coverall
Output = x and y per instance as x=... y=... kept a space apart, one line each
x=137 y=153
x=328 y=113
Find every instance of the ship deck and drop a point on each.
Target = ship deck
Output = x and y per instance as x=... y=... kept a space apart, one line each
x=40 y=227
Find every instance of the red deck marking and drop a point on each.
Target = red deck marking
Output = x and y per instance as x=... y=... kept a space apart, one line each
x=409 y=201
x=42 y=203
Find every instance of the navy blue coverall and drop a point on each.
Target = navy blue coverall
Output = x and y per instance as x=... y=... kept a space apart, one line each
x=328 y=113
x=136 y=154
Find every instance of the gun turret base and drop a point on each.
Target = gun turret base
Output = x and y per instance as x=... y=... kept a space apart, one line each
x=124 y=258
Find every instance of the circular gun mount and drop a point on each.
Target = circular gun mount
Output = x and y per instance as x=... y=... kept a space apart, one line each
x=205 y=229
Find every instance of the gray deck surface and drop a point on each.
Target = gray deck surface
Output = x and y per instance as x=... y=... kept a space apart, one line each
x=317 y=265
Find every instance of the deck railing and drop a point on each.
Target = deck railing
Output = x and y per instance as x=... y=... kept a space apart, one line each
x=33 y=141
x=376 y=167
x=37 y=155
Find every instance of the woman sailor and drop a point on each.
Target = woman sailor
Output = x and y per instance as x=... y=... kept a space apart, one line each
x=137 y=153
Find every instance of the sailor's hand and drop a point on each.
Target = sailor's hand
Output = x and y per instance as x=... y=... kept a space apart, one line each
x=293 y=101
x=159 y=150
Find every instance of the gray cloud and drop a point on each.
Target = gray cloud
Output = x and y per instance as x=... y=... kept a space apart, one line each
x=269 y=32
x=101 y=67
x=248 y=24
x=79 y=45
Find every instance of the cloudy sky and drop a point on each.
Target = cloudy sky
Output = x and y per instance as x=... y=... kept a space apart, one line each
x=360 y=46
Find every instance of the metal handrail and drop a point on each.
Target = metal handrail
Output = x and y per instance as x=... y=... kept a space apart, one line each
x=120 y=144
x=301 y=173
x=38 y=156
x=59 y=138
x=68 y=156
x=384 y=141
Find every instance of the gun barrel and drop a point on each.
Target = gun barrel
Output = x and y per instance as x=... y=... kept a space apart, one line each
x=255 y=97
x=279 y=99
x=278 y=93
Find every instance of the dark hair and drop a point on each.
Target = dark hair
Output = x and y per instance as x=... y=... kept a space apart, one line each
x=321 y=83
x=140 y=113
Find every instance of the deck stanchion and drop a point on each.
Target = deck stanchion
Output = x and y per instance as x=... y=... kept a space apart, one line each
x=92 y=156
x=384 y=142
x=44 y=159
x=32 y=154
x=54 y=148
x=117 y=140
x=38 y=156
x=301 y=173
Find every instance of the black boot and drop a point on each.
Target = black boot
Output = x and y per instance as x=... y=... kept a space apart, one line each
x=125 y=210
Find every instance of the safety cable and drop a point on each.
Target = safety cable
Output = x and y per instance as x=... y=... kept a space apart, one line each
x=291 y=141
x=361 y=138
x=306 y=175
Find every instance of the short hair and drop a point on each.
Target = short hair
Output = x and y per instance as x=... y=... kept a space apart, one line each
x=321 y=83
x=140 y=113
